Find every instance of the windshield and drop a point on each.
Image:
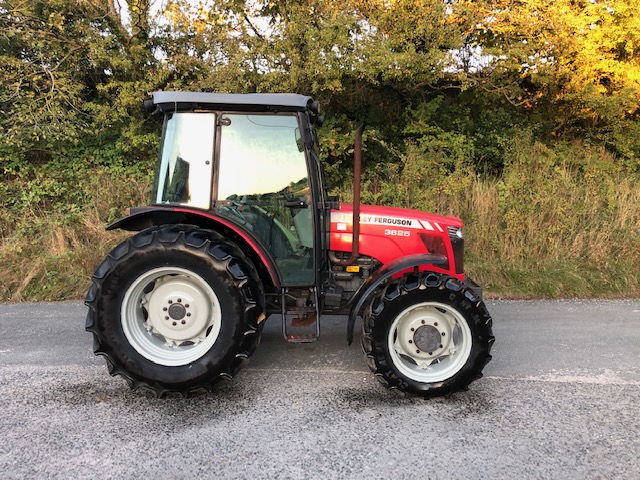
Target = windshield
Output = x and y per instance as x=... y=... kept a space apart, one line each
x=260 y=154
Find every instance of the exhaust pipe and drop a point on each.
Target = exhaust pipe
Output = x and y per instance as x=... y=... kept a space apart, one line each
x=355 y=229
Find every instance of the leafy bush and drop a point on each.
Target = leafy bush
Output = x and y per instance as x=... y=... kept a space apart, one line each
x=52 y=228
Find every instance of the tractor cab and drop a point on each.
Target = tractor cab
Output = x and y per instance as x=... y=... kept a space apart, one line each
x=255 y=169
x=255 y=166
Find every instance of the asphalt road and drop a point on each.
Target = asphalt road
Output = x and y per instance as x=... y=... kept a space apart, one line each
x=560 y=400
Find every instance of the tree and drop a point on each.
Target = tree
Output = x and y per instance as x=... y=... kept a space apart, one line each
x=72 y=74
x=68 y=74
x=575 y=65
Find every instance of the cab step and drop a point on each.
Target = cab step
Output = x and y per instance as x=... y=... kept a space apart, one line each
x=300 y=315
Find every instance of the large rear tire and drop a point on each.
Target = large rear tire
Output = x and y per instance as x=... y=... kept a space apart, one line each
x=175 y=309
x=427 y=334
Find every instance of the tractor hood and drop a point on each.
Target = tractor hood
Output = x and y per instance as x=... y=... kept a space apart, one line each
x=388 y=233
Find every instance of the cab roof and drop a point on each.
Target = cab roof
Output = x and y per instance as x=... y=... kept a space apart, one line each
x=252 y=102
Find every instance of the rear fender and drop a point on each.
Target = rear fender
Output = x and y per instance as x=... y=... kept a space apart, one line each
x=380 y=276
x=140 y=218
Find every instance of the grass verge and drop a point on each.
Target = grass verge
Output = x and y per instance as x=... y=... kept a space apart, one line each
x=556 y=223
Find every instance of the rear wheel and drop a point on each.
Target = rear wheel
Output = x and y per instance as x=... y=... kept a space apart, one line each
x=175 y=309
x=427 y=334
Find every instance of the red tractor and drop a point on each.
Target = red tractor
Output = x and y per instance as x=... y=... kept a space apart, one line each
x=240 y=227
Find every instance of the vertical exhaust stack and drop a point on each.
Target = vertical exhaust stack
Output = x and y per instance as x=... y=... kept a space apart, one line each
x=357 y=169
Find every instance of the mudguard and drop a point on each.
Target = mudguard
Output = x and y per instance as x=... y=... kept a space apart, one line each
x=140 y=218
x=382 y=275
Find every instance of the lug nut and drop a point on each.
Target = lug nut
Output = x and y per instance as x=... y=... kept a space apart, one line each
x=443 y=334
x=435 y=324
x=417 y=351
x=166 y=318
x=165 y=309
x=188 y=314
x=410 y=341
x=186 y=305
x=174 y=324
x=183 y=322
x=423 y=322
x=179 y=300
x=170 y=302
x=413 y=329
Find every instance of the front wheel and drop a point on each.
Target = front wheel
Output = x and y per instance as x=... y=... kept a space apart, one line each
x=427 y=334
x=175 y=309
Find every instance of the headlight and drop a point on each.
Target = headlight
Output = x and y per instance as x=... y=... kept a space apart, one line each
x=456 y=236
x=455 y=233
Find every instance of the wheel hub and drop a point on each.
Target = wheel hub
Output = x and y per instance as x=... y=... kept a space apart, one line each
x=425 y=334
x=178 y=310
x=427 y=338
x=429 y=341
x=171 y=316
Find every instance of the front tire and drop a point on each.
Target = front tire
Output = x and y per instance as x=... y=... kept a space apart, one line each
x=427 y=334
x=175 y=309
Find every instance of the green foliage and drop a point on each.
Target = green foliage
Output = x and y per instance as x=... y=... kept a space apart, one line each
x=572 y=67
x=72 y=75
x=521 y=117
x=71 y=79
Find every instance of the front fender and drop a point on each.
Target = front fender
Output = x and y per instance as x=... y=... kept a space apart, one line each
x=380 y=276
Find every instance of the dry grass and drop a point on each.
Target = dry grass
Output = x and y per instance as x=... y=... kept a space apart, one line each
x=56 y=262
x=554 y=229
x=553 y=225
x=557 y=223
x=50 y=254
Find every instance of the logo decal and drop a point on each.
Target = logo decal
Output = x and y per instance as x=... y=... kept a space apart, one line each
x=343 y=218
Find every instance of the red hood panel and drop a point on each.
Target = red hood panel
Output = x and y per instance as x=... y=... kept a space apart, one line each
x=388 y=233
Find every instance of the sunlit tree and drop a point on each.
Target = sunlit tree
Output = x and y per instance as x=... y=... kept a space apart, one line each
x=574 y=64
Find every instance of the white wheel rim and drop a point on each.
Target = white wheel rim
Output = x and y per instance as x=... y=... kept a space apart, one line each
x=429 y=342
x=171 y=316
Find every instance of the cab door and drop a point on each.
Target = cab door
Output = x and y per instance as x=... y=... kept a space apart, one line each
x=262 y=183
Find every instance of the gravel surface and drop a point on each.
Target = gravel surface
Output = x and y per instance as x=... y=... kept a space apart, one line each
x=560 y=400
